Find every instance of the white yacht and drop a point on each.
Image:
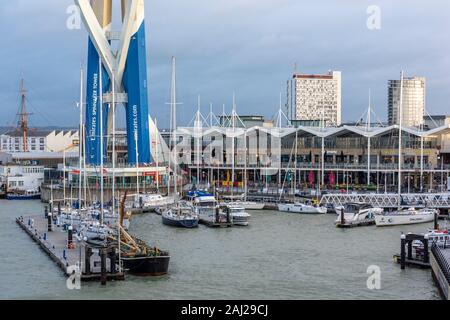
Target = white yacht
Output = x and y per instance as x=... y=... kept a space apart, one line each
x=150 y=202
x=247 y=205
x=356 y=214
x=405 y=216
x=180 y=215
x=301 y=208
x=238 y=215
x=204 y=204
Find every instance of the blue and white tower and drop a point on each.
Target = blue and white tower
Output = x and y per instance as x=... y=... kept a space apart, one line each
x=126 y=65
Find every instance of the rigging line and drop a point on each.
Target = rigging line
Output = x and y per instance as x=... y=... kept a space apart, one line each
x=39 y=112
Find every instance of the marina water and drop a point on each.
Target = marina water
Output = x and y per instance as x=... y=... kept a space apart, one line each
x=279 y=256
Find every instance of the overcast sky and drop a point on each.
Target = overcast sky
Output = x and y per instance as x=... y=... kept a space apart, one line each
x=223 y=46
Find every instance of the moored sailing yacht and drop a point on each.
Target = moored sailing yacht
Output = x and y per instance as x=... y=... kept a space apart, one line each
x=180 y=215
x=301 y=208
x=405 y=216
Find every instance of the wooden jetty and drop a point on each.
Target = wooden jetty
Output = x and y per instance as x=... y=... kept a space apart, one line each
x=95 y=264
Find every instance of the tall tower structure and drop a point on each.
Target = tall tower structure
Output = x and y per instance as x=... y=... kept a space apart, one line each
x=126 y=65
x=413 y=108
x=318 y=97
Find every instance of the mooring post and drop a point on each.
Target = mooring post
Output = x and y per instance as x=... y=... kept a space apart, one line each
x=112 y=259
x=59 y=208
x=49 y=222
x=217 y=215
x=409 y=244
x=436 y=225
x=46 y=212
x=342 y=216
x=70 y=238
x=228 y=215
x=426 y=255
x=402 y=251
x=87 y=260
x=103 y=266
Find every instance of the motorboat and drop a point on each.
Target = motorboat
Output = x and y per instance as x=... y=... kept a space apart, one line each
x=238 y=215
x=24 y=195
x=405 y=216
x=356 y=214
x=150 y=202
x=439 y=237
x=301 y=208
x=247 y=205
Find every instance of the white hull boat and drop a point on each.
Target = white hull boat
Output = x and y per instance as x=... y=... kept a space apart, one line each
x=151 y=202
x=356 y=214
x=407 y=216
x=238 y=215
x=247 y=205
x=301 y=208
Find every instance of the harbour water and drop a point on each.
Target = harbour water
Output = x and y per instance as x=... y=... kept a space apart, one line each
x=279 y=256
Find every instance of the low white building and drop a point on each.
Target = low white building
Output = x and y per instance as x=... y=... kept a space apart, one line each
x=22 y=177
x=39 y=140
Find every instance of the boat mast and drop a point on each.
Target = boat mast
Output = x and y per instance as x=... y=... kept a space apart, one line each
x=101 y=140
x=113 y=190
x=157 y=157
x=400 y=111
x=197 y=127
x=368 y=138
x=174 y=125
x=137 y=162
x=81 y=141
x=23 y=116
x=233 y=124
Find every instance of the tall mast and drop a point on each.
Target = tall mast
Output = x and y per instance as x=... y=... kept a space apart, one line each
x=233 y=124
x=400 y=111
x=368 y=137
x=80 y=143
x=101 y=139
x=157 y=156
x=174 y=124
x=23 y=116
x=114 y=147
x=197 y=127
x=137 y=162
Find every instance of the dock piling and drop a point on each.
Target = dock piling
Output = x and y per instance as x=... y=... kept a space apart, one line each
x=87 y=260
x=70 y=237
x=402 y=252
x=426 y=254
x=436 y=224
x=103 y=278
x=49 y=222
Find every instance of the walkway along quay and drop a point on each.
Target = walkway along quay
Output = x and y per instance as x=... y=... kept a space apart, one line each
x=92 y=264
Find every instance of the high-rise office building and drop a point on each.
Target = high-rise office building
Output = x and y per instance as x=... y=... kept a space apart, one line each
x=413 y=106
x=318 y=97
